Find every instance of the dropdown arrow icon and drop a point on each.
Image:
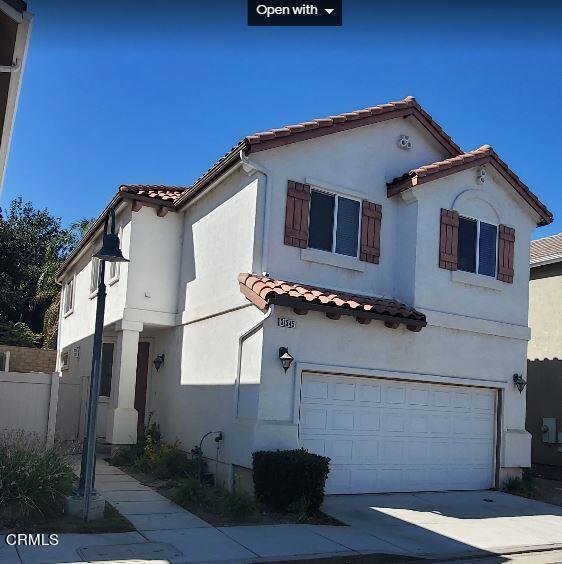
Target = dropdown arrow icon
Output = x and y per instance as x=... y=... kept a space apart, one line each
x=329 y=10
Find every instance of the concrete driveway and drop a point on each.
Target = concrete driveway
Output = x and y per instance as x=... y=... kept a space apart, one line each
x=451 y=524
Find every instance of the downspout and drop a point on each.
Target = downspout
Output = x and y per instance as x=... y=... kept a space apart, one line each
x=250 y=167
x=241 y=340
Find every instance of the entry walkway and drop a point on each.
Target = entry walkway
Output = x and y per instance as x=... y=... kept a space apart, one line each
x=169 y=533
x=443 y=526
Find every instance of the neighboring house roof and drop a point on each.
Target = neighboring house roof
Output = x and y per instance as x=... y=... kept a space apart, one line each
x=156 y=191
x=546 y=250
x=478 y=157
x=263 y=291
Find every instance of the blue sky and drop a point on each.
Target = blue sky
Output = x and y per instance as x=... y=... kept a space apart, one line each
x=154 y=92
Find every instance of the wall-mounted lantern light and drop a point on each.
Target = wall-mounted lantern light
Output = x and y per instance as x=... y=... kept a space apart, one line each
x=158 y=361
x=285 y=358
x=520 y=382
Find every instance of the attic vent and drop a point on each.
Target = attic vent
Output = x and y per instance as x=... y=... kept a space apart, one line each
x=404 y=142
x=481 y=175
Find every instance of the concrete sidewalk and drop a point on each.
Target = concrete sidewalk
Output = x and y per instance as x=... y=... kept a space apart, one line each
x=169 y=533
x=442 y=526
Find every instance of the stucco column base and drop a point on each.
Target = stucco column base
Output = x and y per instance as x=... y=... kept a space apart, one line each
x=122 y=426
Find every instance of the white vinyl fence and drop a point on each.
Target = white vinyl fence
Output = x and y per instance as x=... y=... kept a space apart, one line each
x=28 y=401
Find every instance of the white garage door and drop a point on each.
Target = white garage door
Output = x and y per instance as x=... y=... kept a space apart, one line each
x=396 y=436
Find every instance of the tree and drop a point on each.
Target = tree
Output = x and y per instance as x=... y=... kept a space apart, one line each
x=48 y=291
x=33 y=245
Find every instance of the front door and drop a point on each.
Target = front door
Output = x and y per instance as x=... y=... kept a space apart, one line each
x=142 y=376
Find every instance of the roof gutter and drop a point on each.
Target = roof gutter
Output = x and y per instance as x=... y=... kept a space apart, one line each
x=11 y=68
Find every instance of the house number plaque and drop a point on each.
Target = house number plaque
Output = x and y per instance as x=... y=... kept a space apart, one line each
x=285 y=322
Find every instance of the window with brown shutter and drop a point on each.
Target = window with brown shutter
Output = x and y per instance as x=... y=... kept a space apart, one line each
x=449 y=240
x=506 y=247
x=371 y=216
x=296 y=214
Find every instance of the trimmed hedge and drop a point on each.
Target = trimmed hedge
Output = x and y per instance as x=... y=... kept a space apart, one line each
x=290 y=480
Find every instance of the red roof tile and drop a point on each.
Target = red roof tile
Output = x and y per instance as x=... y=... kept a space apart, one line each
x=263 y=291
x=409 y=106
x=156 y=191
x=478 y=157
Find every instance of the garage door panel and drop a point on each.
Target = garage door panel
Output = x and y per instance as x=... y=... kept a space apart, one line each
x=383 y=435
x=314 y=418
x=369 y=393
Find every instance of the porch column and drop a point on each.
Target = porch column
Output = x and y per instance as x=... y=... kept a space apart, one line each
x=122 y=417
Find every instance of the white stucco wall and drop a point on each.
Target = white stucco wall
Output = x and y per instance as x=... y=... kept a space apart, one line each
x=358 y=162
x=222 y=370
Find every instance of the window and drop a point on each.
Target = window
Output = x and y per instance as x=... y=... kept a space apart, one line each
x=334 y=223
x=477 y=249
x=68 y=297
x=95 y=276
x=114 y=266
x=106 y=369
x=64 y=360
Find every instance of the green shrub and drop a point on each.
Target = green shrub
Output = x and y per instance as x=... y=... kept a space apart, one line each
x=125 y=456
x=191 y=493
x=237 y=505
x=32 y=479
x=172 y=462
x=284 y=478
x=519 y=486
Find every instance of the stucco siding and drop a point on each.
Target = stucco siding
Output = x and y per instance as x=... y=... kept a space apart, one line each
x=196 y=390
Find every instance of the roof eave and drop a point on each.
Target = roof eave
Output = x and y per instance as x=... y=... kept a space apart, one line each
x=92 y=231
x=398 y=186
x=320 y=130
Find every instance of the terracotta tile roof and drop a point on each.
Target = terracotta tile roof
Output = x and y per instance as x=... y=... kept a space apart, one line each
x=322 y=126
x=547 y=249
x=478 y=157
x=156 y=191
x=263 y=291
x=356 y=118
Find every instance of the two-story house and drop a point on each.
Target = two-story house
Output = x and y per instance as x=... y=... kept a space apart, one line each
x=388 y=264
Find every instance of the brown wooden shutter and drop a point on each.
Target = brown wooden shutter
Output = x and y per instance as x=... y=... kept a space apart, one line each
x=449 y=240
x=506 y=249
x=371 y=216
x=296 y=214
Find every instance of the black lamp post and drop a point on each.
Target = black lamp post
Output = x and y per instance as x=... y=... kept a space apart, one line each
x=109 y=252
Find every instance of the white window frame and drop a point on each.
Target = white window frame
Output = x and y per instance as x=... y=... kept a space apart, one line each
x=67 y=312
x=337 y=197
x=115 y=265
x=94 y=287
x=477 y=265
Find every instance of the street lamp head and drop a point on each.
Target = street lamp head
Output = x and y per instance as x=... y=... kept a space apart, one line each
x=110 y=251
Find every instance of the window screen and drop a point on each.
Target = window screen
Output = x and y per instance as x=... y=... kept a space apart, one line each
x=347 y=227
x=487 y=249
x=321 y=225
x=106 y=369
x=467 y=245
